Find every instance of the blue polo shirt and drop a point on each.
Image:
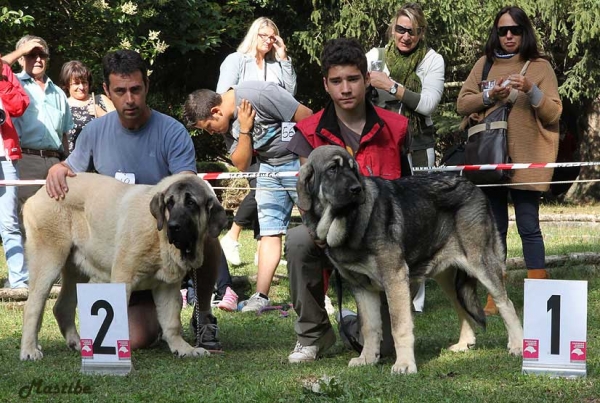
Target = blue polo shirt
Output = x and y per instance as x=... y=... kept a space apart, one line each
x=48 y=116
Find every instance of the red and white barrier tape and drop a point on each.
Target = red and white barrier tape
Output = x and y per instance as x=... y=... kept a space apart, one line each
x=449 y=168
x=494 y=167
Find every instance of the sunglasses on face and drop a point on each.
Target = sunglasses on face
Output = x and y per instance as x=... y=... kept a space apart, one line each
x=516 y=30
x=34 y=56
x=267 y=38
x=403 y=30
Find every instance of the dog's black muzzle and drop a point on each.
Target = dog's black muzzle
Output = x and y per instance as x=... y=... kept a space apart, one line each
x=183 y=234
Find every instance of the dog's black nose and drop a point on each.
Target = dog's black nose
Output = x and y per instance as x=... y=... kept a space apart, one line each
x=174 y=226
x=355 y=189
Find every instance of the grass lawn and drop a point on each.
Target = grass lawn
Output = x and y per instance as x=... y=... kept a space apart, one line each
x=254 y=367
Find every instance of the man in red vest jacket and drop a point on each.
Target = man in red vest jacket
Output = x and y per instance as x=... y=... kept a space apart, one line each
x=374 y=136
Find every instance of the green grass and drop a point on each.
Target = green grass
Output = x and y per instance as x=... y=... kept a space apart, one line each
x=254 y=367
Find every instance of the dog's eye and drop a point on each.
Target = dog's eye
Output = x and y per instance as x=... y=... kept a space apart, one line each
x=190 y=203
x=332 y=169
x=170 y=202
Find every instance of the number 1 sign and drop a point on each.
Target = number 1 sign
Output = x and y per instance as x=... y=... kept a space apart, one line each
x=104 y=329
x=555 y=327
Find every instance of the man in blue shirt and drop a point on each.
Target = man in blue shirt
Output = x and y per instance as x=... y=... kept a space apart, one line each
x=136 y=144
x=44 y=125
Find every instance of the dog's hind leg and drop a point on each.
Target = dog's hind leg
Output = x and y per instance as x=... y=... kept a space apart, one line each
x=492 y=280
x=168 y=308
x=467 y=336
x=45 y=262
x=369 y=312
x=64 y=309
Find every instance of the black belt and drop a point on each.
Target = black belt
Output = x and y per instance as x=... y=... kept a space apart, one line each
x=42 y=153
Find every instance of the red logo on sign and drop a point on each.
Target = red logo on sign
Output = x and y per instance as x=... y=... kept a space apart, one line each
x=87 y=348
x=531 y=349
x=578 y=351
x=123 y=349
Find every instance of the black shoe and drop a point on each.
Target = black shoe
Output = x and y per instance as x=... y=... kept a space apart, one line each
x=208 y=332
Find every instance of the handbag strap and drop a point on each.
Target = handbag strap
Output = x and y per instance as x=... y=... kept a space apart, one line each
x=486 y=69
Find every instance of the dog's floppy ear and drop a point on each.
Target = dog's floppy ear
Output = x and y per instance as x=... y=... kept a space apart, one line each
x=217 y=219
x=304 y=186
x=157 y=208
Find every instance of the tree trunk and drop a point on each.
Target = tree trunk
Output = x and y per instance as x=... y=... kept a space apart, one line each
x=589 y=150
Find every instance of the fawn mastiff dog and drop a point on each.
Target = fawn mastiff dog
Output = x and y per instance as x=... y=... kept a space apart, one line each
x=382 y=234
x=147 y=237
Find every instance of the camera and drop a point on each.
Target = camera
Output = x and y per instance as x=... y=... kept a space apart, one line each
x=2 y=116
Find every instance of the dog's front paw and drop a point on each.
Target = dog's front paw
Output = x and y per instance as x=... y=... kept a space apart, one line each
x=515 y=349
x=460 y=347
x=404 y=367
x=191 y=352
x=73 y=342
x=31 y=354
x=362 y=360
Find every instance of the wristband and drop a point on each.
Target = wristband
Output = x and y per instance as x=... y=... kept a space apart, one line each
x=246 y=133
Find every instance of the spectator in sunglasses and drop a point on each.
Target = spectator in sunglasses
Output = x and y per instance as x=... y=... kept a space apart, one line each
x=408 y=77
x=533 y=125
x=44 y=126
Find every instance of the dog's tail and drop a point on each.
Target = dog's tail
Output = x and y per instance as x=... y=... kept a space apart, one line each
x=466 y=292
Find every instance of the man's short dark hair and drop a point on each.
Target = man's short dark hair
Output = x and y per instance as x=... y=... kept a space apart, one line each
x=197 y=106
x=123 y=62
x=343 y=52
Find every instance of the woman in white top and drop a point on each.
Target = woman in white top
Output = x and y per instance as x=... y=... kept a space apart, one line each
x=262 y=56
x=409 y=78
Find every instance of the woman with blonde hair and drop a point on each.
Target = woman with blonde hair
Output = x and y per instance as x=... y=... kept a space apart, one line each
x=262 y=56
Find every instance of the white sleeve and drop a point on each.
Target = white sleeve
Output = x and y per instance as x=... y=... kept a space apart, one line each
x=432 y=78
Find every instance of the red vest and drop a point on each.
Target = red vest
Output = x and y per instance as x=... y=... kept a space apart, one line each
x=380 y=146
x=14 y=102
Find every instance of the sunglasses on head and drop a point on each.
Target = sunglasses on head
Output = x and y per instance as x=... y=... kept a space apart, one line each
x=403 y=30
x=516 y=30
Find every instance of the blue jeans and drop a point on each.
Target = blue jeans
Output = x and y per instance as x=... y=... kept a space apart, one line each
x=275 y=206
x=10 y=231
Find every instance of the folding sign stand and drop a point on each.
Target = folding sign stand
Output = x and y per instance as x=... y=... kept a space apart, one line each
x=104 y=329
x=555 y=328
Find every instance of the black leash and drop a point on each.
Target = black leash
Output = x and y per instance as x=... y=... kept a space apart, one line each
x=338 y=289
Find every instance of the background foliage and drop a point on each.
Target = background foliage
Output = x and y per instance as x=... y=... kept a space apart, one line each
x=186 y=40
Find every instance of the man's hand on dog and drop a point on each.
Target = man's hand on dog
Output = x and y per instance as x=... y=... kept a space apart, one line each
x=56 y=181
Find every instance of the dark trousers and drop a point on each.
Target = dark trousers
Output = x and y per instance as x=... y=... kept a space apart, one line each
x=527 y=206
x=306 y=263
x=247 y=213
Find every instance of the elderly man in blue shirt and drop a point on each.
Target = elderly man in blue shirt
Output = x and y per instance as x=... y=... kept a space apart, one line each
x=44 y=125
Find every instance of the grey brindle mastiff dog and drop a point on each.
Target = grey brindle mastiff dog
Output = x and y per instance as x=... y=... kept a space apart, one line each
x=147 y=237
x=383 y=234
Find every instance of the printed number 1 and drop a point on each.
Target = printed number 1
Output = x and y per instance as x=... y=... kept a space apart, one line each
x=110 y=314
x=554 y=306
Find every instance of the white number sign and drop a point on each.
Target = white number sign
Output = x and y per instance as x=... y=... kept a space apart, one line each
x=104 y=329
x=555 y=327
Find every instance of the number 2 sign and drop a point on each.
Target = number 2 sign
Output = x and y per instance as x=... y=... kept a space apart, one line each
x=104 y=328
x=555 y=327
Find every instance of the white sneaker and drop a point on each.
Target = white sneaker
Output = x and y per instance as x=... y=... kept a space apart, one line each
x=255 y=303
x=309 y=353
x=303 y=354
x=231 y=249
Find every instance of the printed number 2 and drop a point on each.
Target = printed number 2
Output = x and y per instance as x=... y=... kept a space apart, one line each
x=554 y=306
x=110 y=314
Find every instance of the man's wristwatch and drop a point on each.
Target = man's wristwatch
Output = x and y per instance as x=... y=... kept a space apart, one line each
x=394 y=89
